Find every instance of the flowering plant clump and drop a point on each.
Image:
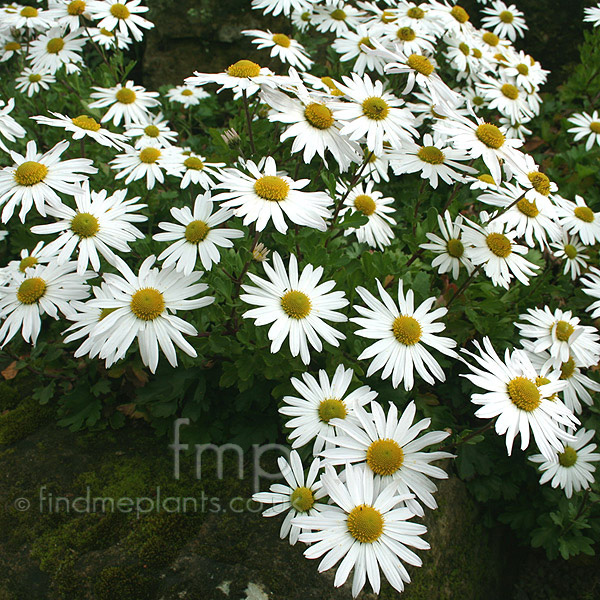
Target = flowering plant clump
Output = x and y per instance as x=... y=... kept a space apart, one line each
x=351 y=238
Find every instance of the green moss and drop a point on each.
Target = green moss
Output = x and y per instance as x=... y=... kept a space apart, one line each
x=9 y=397
x=22 y=421
x=123 y=583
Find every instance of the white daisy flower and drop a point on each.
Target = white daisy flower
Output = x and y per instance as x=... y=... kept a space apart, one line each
x=376 y=232
x=122 y=17
x=378 y=165
x=134 y=164
x=390 y=448
x=496 y=249
x=191 y=168
x=336 y=17
x=449 y=248
x=586 y=126
x=538 y=186
x=187 y=95
x=413 y=14
x=287 y=49
x=301 y=19
x=356 y=45
x=143 y=307
x=276 y=7
x=571 y=468
x=296 y=305
x=364 y=530
x=109 y=40
x=592 y=281
x=560 y=333
x=402 y=334
x=9 y=128
x=85 y=126
x=572 y=251
x=31 y=81
x=196 y=235
x=320 y=402
x=129 y=103
x=410 y=40
x=504 y=97
x=154 y=131
x=67 y=13
x=99 y=223
x=520 y=404
x=577 y=218
x=299 y=497
x=505 y=21
x=526 y=72
x=264 y=195
x=55 y=49
x=592 y=15
x=10 y=48
x=514 y=129
x=35 y=178
x=29 y=17
x=42 y=289
x=452 y=19
x=38 y=256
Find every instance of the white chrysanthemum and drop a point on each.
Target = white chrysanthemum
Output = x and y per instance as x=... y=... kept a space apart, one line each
x=42 y=289
x=264 y=195
x=449 y=248
x=99 y=223
x=9 y=128
x=560 y=333
x=143 y=306
x=154 y=131
x=369 y=202
x=67 y=13
x=591 y=287
x=191 y=168
x=390 y=448
x=134 y=164
x=505 y=21
x=494 y=248
x=27 y=17
x=519 y=402
x=129 y=103
x=85 y=126
x=336 y=17
x=31 y=81
x=537 y=185
x=299 y=497
x=572 y=251
x=187 y=95
x=402 y=334
x=120 y=16
x=196 y=235
x=411 y=40
x=55 y=49
x=287 y=49
x=39 y=255
x=320 y=402
x=586 y=126
x=35 y=178
x=276 y=7
x=571 y=468
x=577 y=218
x=297 y=305
x=356 y=45
x=526 y=72
x=364 y=530
x=109 y=40
x=505 y=97
x=301 y=18
x=10 y=48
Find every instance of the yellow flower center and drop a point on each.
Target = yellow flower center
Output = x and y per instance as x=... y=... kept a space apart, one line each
x=385 y=456
x=305 y=16
x=76 y=8
x=540 y=182
x=29 y=11
x=28 y=261
x=85 y=122
x=584 y=213
x=194 y=163
x=564 y=329
x=338 y=15
x=431 y=155
x=106 y=32
x=455 y=248
x=332 y=408
x=506 y=16
x=523 y=69
x=477 y=53
x=318 y=115
x=244 y=68
x=331 y=85
x=460 y=14
x=499 y=244
x=30 y=173
x=125 y=95
x=406 y=34
x=365 y=41
x=31 y=290
x=187 y=93
x=12 y=46
x=387 y=16
x=119 y=11
x=570 y=251
x=34 y=77
x=567 y=369
x=528 y=208
x=55 y=45
x=282 y=40
x=375 y=108
x=595 y=126
x=491 y=39
x=271 y=187
x=464 y=48
x=85 y=225
x=415 y=13
x=420 y=64
x=365 y=524
x=365 y=204
x=152 y=131
x=510 y=91
x=524 y=394
x=490 y=135
x=567 y=458
x=486 y=178
x=147 y=304
x=296 y=304
x=407 y=330
x=302 y=499
x=149 y=155
x=196 y=232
